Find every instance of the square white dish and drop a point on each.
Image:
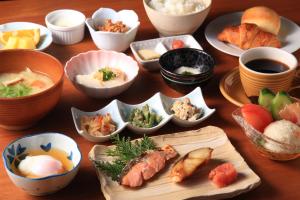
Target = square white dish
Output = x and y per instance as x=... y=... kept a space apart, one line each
x=160 y=45
x=111 y=108
x=196 y=99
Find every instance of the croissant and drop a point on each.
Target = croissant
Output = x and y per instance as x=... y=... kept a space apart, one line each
x=248 y=36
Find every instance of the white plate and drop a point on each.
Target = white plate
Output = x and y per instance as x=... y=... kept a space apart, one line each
x=46 y=36
x=160 y=45
x=289 y=34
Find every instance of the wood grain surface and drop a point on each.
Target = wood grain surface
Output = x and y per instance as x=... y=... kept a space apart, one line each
x=161 y=187
x=280 y=181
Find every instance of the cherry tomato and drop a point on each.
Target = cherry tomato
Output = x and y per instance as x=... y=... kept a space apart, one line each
x=257 y=116
x=176 y=44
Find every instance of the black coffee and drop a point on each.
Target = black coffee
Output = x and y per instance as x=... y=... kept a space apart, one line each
x=266 y=66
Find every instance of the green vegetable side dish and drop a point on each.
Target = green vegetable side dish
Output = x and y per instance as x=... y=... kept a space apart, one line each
x=123 y=152
x=144 y=118
x=13 y=91
x=107 y=74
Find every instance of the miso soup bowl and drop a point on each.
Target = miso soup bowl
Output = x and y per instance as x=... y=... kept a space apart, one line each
x=23 y=112
x=18 y=149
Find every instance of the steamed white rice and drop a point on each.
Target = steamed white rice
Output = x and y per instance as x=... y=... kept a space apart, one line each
x=178 y=7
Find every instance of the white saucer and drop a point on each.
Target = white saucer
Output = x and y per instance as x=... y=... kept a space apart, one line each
x=289 y=34
x=46 y=36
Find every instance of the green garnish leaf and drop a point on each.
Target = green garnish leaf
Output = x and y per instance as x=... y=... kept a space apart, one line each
x=107 y=74
x=12 y=91
x=124 y=151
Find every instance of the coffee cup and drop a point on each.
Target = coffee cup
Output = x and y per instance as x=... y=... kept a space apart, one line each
x=267 y=67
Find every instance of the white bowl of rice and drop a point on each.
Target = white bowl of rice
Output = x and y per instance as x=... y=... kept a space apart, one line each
x=177 y=17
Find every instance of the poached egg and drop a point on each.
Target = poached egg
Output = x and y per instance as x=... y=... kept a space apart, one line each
x=40 y=166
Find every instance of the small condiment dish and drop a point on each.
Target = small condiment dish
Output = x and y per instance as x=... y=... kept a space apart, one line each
x=160 y=46
x=66 y=25
x=45 y=33
x=91 y=61
x=18 y=150
x=115 y=41
x=196 y=99
x=111 y=108
x=155 y=105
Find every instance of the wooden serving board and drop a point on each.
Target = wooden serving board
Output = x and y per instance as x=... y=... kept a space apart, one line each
x=160 y=187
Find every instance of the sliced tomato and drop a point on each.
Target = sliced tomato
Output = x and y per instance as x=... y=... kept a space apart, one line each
x=176 y=44
x=257 y=116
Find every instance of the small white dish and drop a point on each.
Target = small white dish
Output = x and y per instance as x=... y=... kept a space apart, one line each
x=160 y=45
x=196 y=99
x=158 y=103
x=45 y=34
x=18 y=149
x=113 y=40
x=89 y=62
x=111 y=108
x=154 y=104
x=289 y=34
x=67 y=26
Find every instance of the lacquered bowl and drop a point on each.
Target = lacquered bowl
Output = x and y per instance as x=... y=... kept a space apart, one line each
x=23 y=112
x=45 y=142
x=190 y=57
x=89 y=62
x=168 y=25
x=259 y=140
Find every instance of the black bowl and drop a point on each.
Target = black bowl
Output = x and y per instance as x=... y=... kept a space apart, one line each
x=195 y=58
x=184 y=87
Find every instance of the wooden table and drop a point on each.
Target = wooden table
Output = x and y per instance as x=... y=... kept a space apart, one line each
x=279 y=180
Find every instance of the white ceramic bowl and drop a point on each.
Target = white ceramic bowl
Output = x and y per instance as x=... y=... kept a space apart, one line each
x=111 y=40
x=45 y=141
x=154 y=104
x=168 y=25
x=67 y=26
x=89 y=62
x=111 y=108
x=196 y=99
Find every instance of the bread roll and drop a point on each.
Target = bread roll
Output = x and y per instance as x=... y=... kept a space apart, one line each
x=265 y=18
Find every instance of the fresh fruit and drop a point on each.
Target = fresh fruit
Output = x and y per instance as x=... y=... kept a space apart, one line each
x=291 y=112
x=177 y=44
x=279 y=102
x=20 y=38
x=223 y=175
x=15 y=42
x=257 y=116
x=265 y=98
